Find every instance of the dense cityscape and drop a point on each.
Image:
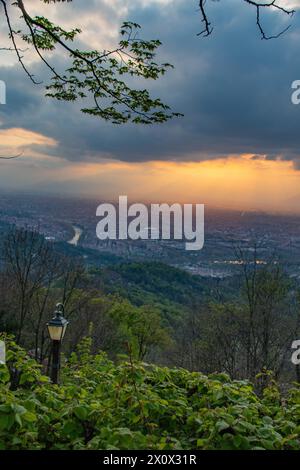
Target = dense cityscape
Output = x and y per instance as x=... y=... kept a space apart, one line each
x=74 y=221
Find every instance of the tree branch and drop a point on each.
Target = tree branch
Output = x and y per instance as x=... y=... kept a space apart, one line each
x=15 y=48
x=11 y=157
x=96 y=73
x=207 y=25
x=208 y=29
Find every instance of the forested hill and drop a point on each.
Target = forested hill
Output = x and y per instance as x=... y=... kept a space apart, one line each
x=154 y=279
x=142 y=281
x=167 y=315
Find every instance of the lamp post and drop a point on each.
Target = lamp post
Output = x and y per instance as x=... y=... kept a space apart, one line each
x=57 y=328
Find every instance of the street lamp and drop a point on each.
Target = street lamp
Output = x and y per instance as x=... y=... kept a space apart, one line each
x=57 y=328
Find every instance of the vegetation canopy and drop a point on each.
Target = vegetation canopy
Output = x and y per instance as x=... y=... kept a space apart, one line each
x=131 y=405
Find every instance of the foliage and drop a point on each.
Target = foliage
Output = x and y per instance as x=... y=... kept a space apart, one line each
x=140 y=327
x=104 y=79
x=164 y=314
x=157 y=281
x=102 y=405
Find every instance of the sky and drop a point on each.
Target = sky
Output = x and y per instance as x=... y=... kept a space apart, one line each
x=237 y=146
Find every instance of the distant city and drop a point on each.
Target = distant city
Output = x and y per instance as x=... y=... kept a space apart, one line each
x=73 y=222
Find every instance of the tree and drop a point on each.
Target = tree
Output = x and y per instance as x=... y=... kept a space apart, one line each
x=104 y=76
x=267 y=306
x=222 y=345
x=63 y=281
x=297 y=331
x=35 y=277
x=147 y=331
x=140 y=327
x=247 y=334
x=31 y=266
x=259 y=7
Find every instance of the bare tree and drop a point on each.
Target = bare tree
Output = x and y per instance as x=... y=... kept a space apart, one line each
x=35 y=278
x=63 y=284
x=269 y=320
x=258 y=7
x=31 y=265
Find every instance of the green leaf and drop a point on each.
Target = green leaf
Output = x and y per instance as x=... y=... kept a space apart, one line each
x=81 y=412
x=221 y=425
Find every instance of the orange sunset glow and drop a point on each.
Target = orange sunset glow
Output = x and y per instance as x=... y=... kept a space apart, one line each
x=240 y=182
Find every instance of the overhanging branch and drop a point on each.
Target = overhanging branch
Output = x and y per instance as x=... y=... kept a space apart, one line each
x=208 y=29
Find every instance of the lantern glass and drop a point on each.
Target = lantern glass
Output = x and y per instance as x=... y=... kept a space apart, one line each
x=64 y=330
x=56 y=333
x=58 y=325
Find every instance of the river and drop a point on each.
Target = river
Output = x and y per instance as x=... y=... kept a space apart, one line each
x=77 y=234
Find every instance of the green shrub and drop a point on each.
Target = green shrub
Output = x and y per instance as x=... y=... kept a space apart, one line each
x=103 y=405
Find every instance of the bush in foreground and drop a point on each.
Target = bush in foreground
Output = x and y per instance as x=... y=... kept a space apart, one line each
x=101 y=405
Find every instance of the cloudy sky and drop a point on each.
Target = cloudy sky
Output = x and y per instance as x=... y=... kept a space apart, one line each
x=238 y=144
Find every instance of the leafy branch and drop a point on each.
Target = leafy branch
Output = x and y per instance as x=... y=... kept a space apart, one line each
x=103 y=76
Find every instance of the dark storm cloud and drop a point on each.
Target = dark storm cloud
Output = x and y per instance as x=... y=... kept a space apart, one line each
x=234 y=89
